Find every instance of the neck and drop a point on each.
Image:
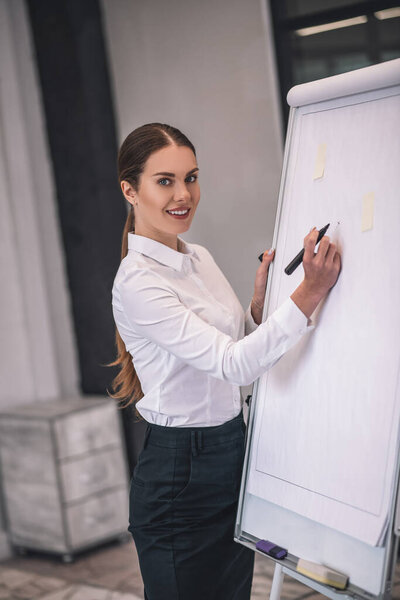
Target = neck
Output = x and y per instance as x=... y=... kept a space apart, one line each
x=169 y=240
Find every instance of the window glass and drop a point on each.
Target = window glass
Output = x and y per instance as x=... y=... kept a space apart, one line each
x=389 y=37
x=298 y=8
x=310 y=46
x=328 y=53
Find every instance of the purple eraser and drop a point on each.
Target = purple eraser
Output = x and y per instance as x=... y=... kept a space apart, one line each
x=271 y=549
x=264 y=546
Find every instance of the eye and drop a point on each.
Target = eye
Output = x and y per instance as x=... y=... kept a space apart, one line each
x=192 y=177
x=163 y=180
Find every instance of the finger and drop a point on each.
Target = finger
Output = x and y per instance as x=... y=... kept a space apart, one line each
x=269 y=255
x=337 y=261
x=311 y=237
x=331 y=253
x=309 y=233
x=337 y=267
x=310 y=242
x=323 y=246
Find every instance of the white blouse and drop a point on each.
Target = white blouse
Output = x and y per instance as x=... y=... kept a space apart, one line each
x=191 y=343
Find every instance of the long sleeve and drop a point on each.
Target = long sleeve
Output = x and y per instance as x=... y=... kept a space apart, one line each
x=249 y=323
x=155 y=312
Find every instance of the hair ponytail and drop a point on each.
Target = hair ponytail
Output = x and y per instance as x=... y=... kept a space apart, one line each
x=126 y=384
x=129 y=227
x=132 y=157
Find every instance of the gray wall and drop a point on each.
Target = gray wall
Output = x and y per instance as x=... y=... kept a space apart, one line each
x=37 y=355
x=208 y=68
x=37 y=350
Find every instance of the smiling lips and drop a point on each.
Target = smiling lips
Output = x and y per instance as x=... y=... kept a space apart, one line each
x=180 y=213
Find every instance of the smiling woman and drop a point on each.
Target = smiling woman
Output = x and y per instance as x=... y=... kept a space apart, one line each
x=182 y=326
x=165 y=201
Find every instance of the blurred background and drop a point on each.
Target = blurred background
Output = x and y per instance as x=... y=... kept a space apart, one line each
x=76 y=76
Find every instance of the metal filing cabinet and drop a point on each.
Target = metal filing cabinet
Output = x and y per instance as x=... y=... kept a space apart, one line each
x=64 y=475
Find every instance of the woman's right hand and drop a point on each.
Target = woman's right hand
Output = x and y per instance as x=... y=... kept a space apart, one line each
x=321 y=271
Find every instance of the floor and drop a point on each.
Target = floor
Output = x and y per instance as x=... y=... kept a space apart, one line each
x=112 y=573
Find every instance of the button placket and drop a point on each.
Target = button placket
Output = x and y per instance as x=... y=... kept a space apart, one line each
x=211 y=297
x=201 y=285
x=187 y=266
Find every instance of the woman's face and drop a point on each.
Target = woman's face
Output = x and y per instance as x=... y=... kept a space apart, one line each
x=169 y=182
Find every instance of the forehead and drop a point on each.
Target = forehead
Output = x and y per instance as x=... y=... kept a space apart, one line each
x=175 y=159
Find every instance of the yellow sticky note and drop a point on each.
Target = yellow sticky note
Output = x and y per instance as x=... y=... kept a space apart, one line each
x=320 y=162
x=367 y=220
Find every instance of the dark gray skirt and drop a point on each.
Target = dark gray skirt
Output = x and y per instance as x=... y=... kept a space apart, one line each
x=183 y=501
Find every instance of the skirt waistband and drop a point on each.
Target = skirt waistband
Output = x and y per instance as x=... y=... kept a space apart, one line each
x=199 y=437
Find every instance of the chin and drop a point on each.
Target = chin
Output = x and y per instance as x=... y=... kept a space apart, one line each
x=183 y=227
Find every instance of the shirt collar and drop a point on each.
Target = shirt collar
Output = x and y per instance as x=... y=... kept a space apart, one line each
x=160 y=252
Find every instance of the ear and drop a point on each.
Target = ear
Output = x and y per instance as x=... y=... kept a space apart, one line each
x=129 y=192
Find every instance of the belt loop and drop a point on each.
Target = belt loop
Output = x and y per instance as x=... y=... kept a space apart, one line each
x=193 y=440
x=200 y=441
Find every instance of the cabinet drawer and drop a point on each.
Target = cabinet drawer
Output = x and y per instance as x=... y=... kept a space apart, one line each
x=94 y=473
x=34 y=515
x=87 y=430
x=98 y=517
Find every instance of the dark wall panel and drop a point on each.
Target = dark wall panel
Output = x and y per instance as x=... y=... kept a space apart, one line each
x=80 y=124
x=72 y=65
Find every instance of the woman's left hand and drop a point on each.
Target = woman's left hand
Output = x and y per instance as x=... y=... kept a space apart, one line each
x=257 y=303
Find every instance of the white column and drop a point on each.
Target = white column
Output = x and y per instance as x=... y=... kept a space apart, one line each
x=37 y=357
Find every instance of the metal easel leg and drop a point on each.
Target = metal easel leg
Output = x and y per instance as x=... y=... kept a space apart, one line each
x=277 y=583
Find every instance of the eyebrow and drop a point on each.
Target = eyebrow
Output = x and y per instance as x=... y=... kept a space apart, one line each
x=166 y=174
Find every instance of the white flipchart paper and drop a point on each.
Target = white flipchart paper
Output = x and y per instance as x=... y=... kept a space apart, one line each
x=326 y=432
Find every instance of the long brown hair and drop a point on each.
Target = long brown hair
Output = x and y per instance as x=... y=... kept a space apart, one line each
x=133 y=154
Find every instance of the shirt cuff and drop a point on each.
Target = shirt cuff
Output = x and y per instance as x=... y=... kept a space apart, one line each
x=291 y=319
x=249 y=323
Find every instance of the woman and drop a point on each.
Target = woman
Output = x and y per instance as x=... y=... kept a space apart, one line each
x=183 y=354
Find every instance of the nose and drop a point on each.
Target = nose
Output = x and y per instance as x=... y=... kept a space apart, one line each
x=181 y=192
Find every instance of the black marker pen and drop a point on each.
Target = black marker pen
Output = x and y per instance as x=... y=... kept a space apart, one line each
x=299 y=258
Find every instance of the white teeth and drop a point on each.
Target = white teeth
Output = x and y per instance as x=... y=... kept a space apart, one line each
x=178 y=212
